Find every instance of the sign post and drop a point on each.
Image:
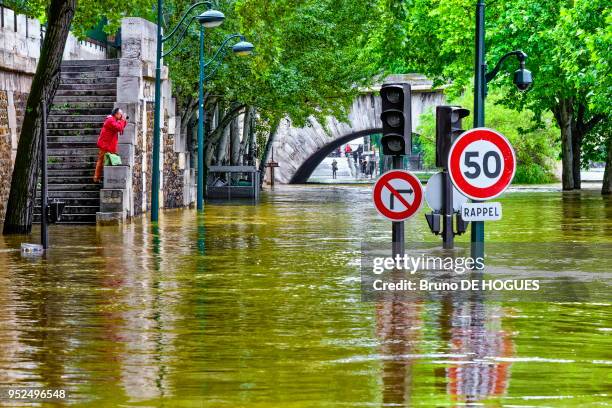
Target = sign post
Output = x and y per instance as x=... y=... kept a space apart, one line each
x=397 y=227
x=481 y=165
x=397 y=196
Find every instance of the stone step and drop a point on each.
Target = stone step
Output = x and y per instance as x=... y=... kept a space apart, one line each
x=112 y=67
x=59 y=99
x=85 y=92
x=73 y=172
x=84 y=154
x=81 y=187
x=75 y=209
x=69 y=63
x=78 y=104
x=72 y=219
x=89 y=74
x=89 y=80
x=85 y=87
x=74 y=132
x=80 y=138
x=65 y=195
x=105 y=111
x=71 y=145
x=72 y=179
x=76 y=118
x=80 y=161
x=62 y=165
x=75 y=125
x=74 y=202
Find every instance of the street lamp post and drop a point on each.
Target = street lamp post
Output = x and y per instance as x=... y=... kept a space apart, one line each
x=522 y=80
x=157 y=115
x=209 y=19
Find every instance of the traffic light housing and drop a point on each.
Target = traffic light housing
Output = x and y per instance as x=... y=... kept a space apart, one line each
x=448 y=128
x=396 y=118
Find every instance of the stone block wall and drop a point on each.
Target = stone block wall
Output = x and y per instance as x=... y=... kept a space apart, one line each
x=19 y=55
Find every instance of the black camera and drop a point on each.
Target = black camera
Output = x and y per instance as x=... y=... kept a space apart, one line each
x=522 y=78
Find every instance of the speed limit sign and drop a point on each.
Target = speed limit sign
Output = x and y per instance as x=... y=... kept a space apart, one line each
x=481 y=163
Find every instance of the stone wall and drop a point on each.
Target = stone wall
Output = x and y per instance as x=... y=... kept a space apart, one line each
x=19 y=54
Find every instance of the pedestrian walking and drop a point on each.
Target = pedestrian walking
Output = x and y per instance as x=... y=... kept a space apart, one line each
x=109 y=139
x=334 y=167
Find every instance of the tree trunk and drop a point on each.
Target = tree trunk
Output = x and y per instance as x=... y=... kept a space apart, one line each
x=563 y=115
x=20 y=206
x=246 y=135
x=576 y=157
x=268 y=149
x=606 y=188
x=235 y=159
x=222 y=146
x=579 y=130
x=252 y=139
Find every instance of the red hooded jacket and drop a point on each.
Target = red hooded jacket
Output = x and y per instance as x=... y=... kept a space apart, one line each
x=109 y=135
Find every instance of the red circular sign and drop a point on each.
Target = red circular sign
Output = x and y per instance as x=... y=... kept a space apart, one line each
x=481 y=163
x=397 y=195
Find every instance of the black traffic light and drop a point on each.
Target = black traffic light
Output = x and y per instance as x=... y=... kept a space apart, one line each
x=433 y=220
x=396 y=117
x=448 y=128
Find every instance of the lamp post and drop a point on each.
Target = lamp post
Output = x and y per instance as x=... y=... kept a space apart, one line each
x=208 y=19
x=157 y=115
x=522 y=80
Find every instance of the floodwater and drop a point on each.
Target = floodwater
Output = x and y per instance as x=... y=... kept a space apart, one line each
x=260 y=306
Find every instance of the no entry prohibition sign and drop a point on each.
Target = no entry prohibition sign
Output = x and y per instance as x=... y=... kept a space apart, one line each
x=481 y=163
x=397 y=195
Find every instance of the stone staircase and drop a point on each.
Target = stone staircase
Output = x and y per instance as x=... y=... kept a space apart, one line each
x=86 y=95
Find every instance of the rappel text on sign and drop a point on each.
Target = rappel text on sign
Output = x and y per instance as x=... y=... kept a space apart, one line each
x=481 y=211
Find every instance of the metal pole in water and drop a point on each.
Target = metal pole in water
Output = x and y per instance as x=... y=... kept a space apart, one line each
x=477 y=238
x=448 y=236
x=200 y=183
x=397 y=227
x=44 y=233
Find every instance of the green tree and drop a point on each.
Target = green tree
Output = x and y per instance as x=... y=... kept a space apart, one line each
x=535 y=149
x=568 y=43
x=310 y=59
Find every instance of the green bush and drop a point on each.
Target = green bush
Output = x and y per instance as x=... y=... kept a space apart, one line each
x=536 y=149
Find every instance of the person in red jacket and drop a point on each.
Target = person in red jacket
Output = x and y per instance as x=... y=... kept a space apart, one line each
x=108 y=139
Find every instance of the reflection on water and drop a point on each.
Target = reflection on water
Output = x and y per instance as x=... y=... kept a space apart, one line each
x=260 y=306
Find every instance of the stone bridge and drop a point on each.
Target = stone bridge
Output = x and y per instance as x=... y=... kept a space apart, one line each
x=298 y=151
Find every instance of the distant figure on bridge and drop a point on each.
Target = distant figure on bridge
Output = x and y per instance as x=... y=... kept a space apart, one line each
x=348 y=150
x=334 y=167
x=109 y=139
x=371 y=166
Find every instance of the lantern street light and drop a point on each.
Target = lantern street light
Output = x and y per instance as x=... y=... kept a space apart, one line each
x=211 y=18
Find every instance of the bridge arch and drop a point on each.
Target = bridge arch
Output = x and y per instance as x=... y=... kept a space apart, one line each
x=299 y=150
x=303 y=172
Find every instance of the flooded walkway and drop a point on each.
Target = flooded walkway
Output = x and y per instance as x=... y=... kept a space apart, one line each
x=260 y=306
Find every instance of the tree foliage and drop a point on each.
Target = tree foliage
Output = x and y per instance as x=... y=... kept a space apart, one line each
x=568 y=44
x=535 y=149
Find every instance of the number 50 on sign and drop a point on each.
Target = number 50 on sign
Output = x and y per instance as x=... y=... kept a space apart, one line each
x=481 y=163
